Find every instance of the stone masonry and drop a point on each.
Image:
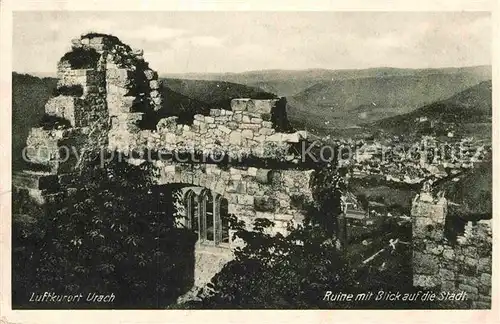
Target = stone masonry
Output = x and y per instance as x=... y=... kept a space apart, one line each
x=439 y=263
x=118 y=92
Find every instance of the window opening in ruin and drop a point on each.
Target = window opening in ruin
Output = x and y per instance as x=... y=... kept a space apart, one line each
x=224 y=216
x=207 y=215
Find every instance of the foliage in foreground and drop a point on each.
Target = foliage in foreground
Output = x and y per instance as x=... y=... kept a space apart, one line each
x=110 y=234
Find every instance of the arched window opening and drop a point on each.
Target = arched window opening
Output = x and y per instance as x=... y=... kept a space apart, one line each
x=224 y=217
x=207 y=215
x=192 y=210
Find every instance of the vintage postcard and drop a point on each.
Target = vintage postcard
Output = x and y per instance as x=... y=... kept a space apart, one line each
x=230 y=157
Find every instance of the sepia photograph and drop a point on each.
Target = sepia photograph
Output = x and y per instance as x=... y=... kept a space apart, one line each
x=186 y=160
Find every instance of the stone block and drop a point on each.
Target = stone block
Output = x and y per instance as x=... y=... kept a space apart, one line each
x=215 y=112
x=302 y=134
x=167 y=124
x=224 y=129
x=483 y=298
x=246 y=200
x=238 y=117
x=247 y=134
x=154 y=84
x=157 y=101
x=446 y=274
x=150 y=74
x=484 y=264
x=170 y=138
x=262 y=106
x=291 y=138
x=239 y=104
x=436 y=250
x=267 y=124
x=249 y=126
x=96 y=40
x=425 y=263
x=283 y=217
x=449 y=254
x=424 y=281
x=471 y=262
x=35 y=181
x=485 y=279
x=447 y=285
x=278 y=137
x=266 y=131
x=232 y=125
x=252 y=171
x=121 y=77
x=64 y=107
x=117 y=90
x=468 y=289
x=119 y=104
x=236 y=176
x=485 y=290
x=137 y=52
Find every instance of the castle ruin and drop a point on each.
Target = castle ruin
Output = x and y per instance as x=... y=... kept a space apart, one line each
x=108 y=96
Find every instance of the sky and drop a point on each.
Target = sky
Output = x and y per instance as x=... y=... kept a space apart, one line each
x=182 y=42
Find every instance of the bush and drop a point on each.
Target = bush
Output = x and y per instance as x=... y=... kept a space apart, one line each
x=54 y=122
x=81 y=58
x=75 y=90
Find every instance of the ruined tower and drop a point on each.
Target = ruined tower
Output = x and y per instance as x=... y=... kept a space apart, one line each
x=101 y=82
x=450 y=264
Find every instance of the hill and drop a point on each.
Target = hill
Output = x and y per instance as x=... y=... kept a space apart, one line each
x=346 y=103
x=29 y=95
x=466 y=113
x=217 y=94
x=291 y=82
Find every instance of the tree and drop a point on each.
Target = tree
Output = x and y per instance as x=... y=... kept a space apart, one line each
x=109 y=233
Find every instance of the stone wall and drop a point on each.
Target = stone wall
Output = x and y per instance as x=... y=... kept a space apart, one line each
x=107 y=94
x=451 y=264
x=251 y=192
x=246 y=130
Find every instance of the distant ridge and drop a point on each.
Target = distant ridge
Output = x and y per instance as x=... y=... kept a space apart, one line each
x=291 y=82
x=472 y=106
